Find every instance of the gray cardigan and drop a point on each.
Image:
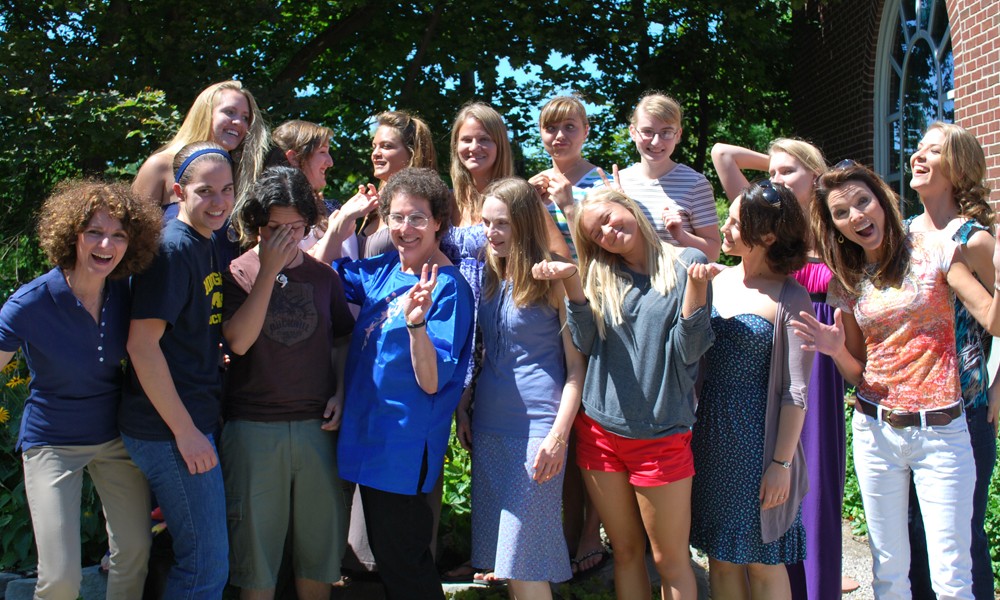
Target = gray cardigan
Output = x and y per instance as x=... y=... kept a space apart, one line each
x=787 y=383
x=640 y=378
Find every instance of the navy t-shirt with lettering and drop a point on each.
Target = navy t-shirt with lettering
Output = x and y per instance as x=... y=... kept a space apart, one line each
x=184 y=288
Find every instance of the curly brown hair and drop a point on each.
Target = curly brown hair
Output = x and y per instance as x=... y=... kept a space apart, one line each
x=74 y=202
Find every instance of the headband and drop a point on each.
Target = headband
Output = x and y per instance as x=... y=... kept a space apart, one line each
x=199 y=153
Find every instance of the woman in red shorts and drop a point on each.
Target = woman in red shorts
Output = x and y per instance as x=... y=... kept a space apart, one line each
x=643 y=321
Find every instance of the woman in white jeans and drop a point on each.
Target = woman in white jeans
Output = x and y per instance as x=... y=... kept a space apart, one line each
x=894 y=338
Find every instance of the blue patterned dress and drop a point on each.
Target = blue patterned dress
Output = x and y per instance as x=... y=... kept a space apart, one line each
x=728 y=446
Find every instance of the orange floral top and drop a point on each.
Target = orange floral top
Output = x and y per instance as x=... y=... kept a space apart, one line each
x=909 y=331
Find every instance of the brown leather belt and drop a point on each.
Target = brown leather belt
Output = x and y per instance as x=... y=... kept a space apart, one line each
x=905 y=418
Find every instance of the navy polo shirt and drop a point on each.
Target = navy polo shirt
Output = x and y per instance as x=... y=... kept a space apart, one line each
x=76 y=363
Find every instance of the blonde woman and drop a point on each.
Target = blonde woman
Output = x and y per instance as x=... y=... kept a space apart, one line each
x=676 y=199
x=642 y=318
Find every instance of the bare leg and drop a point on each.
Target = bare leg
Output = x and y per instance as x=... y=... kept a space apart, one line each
x=728 y=580
x=615 y=499
x=769 y=582
x=529 y=590
x=666 y=514
x=256 y=594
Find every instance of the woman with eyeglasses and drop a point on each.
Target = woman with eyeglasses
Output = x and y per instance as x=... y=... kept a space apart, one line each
x=676 y=199
x=949 y=170
x=406 y=371
x=749 y=473
x=894 y=338
x=796 y=165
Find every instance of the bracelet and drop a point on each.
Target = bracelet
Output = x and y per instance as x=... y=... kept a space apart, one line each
x=785 y=464
x=560 y=441
x=416 y=325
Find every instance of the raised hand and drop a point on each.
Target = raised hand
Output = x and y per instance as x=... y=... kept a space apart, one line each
x=673 y=221
x=616 y=184
x=553 y=269
x=417 y=302
x=818 y=337
x=703 y=273
x=277 y=251
x=560 y=190
x=541 y=185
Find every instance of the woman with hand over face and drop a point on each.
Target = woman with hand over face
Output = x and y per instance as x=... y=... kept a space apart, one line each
x=286 y=322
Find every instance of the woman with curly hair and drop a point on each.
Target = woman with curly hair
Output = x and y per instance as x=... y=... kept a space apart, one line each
x=893 y=337
x=71 y=324
x=949 y=170
x=750 y=474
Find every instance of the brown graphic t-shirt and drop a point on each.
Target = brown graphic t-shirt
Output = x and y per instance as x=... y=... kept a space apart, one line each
x=287 y=374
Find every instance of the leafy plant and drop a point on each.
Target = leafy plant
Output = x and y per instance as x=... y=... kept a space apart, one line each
x=17 y=541
x=455 y=531
x=852 y=510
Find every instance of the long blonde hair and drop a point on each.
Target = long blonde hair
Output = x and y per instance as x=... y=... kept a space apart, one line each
x=249 y=156
x=810 y=156
x=605 y=282
x=965 y=167
x=527 y=244
x=469 y=200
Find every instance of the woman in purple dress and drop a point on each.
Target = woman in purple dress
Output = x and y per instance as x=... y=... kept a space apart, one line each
x=796 y=164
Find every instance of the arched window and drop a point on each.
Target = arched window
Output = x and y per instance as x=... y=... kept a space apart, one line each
x=914 y=84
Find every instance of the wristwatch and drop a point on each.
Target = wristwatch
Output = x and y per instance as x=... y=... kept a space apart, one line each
x=785 y=464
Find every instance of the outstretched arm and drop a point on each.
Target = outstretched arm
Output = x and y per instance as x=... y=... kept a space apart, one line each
x=730 y=162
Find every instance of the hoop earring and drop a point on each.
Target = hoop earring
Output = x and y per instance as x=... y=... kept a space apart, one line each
x=840 y=239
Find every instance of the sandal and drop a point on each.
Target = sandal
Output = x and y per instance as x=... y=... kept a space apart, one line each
x=580 y=574
x=463 y=573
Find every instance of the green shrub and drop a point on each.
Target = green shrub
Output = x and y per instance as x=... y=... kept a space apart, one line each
x=17 y=541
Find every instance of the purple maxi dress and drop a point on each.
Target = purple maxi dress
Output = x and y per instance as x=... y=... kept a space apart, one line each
x=825 y=449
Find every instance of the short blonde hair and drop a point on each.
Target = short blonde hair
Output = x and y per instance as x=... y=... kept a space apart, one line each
x=658 y=105
x=810 y=156
x=560 y=108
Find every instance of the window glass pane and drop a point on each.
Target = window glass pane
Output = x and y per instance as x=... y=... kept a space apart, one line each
x=948 y=84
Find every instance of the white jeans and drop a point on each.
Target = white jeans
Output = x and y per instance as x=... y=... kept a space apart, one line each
x=940 y=459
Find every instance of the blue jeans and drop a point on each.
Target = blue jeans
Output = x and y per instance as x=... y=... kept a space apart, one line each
x=194 y=507
x=984 y=453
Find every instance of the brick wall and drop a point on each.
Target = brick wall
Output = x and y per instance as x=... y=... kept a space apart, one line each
x=975 y=36
x=835 y=45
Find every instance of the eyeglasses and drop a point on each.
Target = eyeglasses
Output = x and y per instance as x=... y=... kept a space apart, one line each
x=770 y=192
x=416 y=221
x=666 y=134
x=297 y=227
x=845 y=164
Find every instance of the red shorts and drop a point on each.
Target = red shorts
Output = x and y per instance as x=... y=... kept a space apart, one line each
x=649 y=463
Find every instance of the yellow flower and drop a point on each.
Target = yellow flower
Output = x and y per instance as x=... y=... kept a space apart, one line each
x=4 y=415
x=16 y=381
x=9 y=367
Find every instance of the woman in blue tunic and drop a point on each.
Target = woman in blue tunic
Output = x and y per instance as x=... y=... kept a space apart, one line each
x=527 y=393
x=750 y=475
x=405 y=374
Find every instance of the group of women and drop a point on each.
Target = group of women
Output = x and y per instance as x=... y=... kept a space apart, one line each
x=576 y=327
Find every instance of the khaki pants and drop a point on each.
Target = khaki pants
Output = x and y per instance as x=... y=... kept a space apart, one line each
x=53 y=480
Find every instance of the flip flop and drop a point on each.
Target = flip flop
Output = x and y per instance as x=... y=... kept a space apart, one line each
x=488 y=578
x=581 y=574
x=463 y=573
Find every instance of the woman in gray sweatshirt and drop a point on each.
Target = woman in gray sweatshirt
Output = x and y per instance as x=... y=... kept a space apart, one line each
x=642 y=318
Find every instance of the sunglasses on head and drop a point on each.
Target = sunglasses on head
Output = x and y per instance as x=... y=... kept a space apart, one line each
x=845 y=164
x=770 y=192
